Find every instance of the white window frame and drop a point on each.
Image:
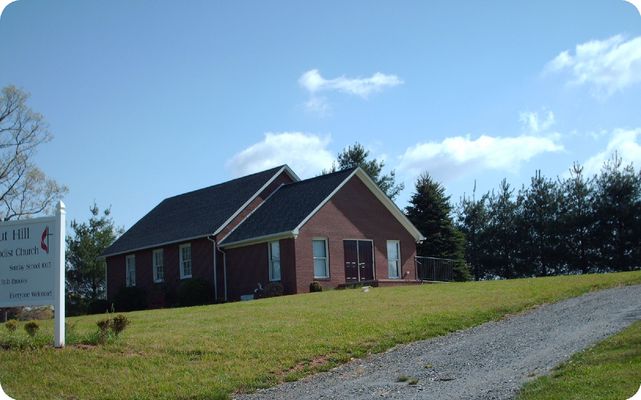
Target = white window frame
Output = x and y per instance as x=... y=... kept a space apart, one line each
x=274 y=275
x=326 y=258
x=130 y=276
x=397 y=261
x=158 y=255
x=182 y=262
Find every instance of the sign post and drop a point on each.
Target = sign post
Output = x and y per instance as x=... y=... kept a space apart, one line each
x=32 y=265
x=59 y=289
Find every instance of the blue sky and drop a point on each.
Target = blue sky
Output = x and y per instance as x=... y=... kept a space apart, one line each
x=149 y=99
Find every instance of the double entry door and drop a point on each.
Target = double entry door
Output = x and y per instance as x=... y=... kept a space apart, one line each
x=359 y=260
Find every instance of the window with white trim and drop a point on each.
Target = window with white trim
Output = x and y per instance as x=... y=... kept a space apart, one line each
x=319 y=254
x=184 y=252
x=158 y=265
x=393 y=259
x=130 y=270
x=274 y=261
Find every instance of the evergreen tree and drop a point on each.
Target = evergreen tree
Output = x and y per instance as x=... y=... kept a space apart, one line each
x=537 y=214
x=358 y=156
x=429 y=211
x=472 y=222
x=617 y=209
x=502 y=233
x=577 y=221
x=85 y=272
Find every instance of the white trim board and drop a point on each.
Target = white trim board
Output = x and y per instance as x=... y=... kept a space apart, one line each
x=285 y=168
x=382 y=197
x=368 y=182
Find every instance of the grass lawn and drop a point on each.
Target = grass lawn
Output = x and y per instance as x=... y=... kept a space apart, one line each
x=209 y=352
x=610 y=370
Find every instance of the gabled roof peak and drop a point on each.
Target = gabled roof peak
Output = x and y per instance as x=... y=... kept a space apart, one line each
x=194 y=214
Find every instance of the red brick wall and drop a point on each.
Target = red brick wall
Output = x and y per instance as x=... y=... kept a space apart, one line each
x=288 y=265
x=249 y=265
x=246 y=267
x=202 y=267
x=353 y=213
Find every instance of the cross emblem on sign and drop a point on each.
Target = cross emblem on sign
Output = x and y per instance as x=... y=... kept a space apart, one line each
x=44 y=240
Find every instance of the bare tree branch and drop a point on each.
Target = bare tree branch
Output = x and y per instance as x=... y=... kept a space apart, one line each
x=25 y=190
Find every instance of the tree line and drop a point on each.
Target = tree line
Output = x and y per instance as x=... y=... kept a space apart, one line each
x=572 y=225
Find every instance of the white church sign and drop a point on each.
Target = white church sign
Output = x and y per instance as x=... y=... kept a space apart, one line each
x=32 y=255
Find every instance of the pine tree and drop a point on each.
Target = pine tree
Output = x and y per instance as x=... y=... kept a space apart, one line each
x=577 y=221
x=502 y=233
x=617 y=209
x=472 y=222
x=357 y=156
x=429 y=211
x=537 y=215
x=85 y=272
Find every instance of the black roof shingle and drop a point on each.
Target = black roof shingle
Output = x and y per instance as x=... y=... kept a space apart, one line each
x=192 y=214
x=286 y=208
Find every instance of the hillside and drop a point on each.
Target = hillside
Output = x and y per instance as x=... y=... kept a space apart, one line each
x=211 y=351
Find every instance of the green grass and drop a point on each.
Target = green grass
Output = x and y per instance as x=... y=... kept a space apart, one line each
x=209 y=352
x=609 y=370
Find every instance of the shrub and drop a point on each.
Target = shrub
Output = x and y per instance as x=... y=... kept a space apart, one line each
x=315 y=287
x=11 y=325
x=130 y=299
x=103 y=331
x=104 y=325
x=31 y=328
x=193 y=292
x=98 y=307
x=119 y=323
x=273 y=289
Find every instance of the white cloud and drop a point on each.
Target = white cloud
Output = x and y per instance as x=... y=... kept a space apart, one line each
x=608 y=66
x=536 y=123
x=457 y=156
x=363 y=87
x=305 y=153
x=625 y=143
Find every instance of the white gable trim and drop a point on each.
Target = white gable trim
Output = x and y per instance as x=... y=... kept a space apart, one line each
x=390 y=205
x=260 y=239
x=250 y=214
x=284 y=168
x=380 y=195
x=259 y=191
x=322 y=203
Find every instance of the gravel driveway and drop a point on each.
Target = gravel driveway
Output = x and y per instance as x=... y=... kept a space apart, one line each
x=490 y=361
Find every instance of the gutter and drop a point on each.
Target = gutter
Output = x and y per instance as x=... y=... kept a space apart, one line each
x=213 y=242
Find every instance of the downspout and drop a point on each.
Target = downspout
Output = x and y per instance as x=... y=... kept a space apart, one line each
x=224 y=270
x=213 y=242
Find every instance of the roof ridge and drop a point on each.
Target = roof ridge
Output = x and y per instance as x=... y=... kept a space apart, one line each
x=226 y=182
x=345 y=171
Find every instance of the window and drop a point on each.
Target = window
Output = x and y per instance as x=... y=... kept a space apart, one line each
x=319 y=250
x=130 y=270
x=274 y=261
x=393 y=259
x=185 y=260
x=158 y=268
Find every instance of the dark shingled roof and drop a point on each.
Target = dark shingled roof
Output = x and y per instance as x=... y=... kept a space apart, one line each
x=191 y=214
x=287 y=207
